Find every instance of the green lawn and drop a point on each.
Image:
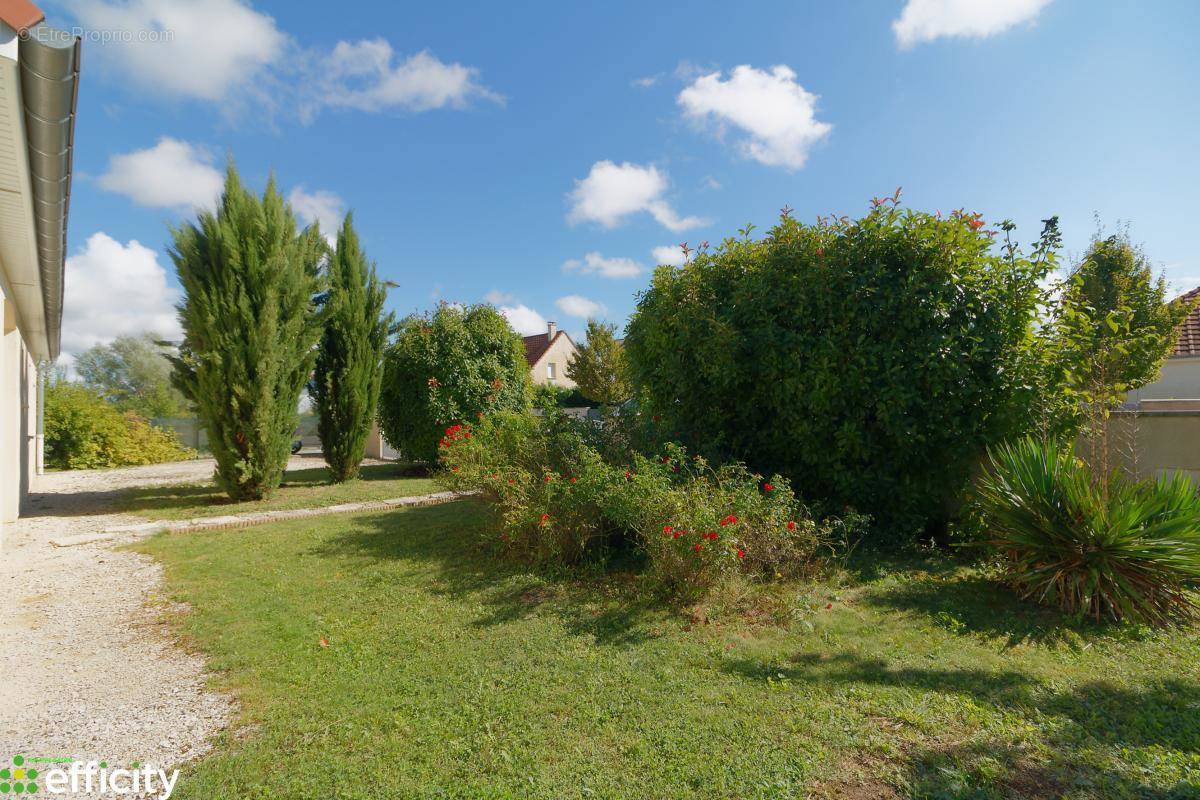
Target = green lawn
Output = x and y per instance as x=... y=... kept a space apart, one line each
x=301 y=488
x=450 y=675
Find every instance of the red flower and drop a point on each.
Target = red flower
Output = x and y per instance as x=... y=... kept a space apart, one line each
x=677 y=534
x=741 y=553
x=698 y=547
x=768 y=487
x=667 y=529
x=628 y=475
x=572 y=479
x=976 y=224
x=547 y=479
x=791 y=525
x=511 y=481
x=829 y=605
x=545 y=517
x=467 y=434
x=454 y=469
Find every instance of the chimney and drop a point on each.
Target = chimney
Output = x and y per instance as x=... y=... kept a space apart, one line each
x=551 y=329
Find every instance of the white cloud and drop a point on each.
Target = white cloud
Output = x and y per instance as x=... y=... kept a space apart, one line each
x=776 y=113
x=322 y=206
x=499 y=298
x=595 y=264
x=524 y=319
x=361 y=75
x=114 y=289
x=172 y=174
x=225 y=52
x=646 y=82
x=927 y=20
x=203 y=49
x=574 y=305
x=669 y=254
x=612 y=192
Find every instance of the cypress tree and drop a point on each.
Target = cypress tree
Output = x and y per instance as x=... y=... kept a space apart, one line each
x=250 y=325
x=345 y=383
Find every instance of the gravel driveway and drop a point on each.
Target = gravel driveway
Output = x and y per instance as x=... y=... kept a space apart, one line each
x=88 y=668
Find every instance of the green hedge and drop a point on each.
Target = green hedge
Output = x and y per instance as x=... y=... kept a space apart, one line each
x=871 y=361
x=85 y=431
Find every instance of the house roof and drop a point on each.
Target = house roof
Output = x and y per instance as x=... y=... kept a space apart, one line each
x=537 y=345
x=20 y=14
x=1188 y=343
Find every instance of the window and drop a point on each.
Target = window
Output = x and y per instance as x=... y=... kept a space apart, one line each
x=550 y=370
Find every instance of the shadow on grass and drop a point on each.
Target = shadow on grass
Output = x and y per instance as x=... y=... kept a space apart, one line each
x=961 y=599
x=208 y=495
x=448 y=542
x=1163 y=715
x=175 y=497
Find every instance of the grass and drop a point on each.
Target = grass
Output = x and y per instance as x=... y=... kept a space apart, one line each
x=448 y=674
x=302 y=488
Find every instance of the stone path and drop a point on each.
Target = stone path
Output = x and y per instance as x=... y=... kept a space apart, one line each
x=88 y=666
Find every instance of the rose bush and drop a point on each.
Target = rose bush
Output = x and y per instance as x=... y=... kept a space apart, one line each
x=559 y=496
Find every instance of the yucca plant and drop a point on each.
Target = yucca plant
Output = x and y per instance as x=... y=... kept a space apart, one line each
x=1133 y=556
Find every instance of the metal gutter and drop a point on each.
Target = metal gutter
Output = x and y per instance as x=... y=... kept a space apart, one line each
x=49 y=60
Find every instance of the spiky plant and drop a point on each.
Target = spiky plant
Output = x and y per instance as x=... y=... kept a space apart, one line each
x=250 y=325
x=345 y=382
x=1133 y=556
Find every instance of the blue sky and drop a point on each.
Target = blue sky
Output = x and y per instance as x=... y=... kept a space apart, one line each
x=487 y=149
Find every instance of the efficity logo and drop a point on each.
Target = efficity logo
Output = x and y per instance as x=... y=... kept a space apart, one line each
x=34 y=776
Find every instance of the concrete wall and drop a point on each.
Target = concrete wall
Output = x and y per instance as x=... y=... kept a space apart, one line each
x=20 y=444
x=560 y=353
x=1153 y=443
x=1179 y=379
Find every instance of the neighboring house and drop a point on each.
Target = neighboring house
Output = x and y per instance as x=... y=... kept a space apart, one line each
x=1179 y=380
x=39 y=74
x=1158 y=432
x=548 y=355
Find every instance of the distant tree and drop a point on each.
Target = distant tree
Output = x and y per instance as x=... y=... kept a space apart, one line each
x=599 y=368
x=134 y=373
x=250 y=329
x=345 y=383
x=1111 y=331
x=449 y=367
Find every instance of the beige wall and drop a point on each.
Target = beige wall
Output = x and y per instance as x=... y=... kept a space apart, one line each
x=11 y=452
x=1157 y=442
x=1179 y=379
x=559 y=354
x=19 y=444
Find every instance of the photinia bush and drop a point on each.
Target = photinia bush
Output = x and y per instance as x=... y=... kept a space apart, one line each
x=871 y=360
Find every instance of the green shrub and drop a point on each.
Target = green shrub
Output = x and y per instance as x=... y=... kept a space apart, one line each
x=445 y=368
x=85 y=431
x=1132 y=555
x=870 y=360
x=345 y=382
x=558 y=499
x=250 y=330
x=547 y=395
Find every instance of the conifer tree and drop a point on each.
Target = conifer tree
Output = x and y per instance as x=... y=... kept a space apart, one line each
x=345 y=384
x=250 y=325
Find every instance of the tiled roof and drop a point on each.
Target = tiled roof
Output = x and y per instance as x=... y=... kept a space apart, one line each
x=536 y=346
x=1188 y=343
x=20 y=14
